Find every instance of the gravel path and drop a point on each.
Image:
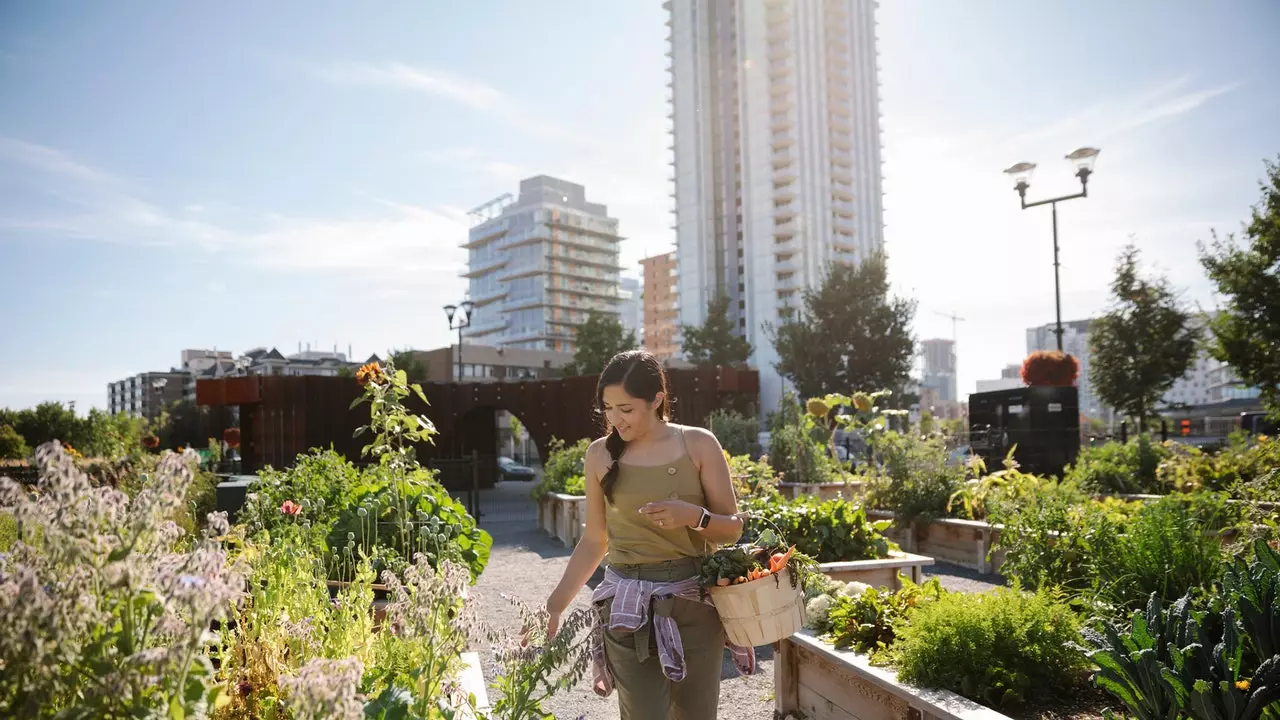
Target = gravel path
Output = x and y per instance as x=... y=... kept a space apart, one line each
x=959 y=579
x=526 y=563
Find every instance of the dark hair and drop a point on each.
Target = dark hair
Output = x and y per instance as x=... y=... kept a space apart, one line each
x=641 y=376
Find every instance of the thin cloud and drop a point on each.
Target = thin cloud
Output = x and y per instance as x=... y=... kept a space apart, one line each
x=396 y=75
x=432 y=82
x=403 y=245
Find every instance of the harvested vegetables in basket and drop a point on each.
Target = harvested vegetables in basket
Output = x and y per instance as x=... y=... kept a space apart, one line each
x=763 y=559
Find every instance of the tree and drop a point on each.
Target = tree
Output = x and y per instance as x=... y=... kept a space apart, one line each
x=1143 y=343
x=47 y=421
x=12 y=445
x=715 y=343
x=416 y=368
x=850 y=335
x=597 y=341
x=1246 y=332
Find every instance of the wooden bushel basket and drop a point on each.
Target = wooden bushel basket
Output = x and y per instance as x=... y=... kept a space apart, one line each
x=762 y=611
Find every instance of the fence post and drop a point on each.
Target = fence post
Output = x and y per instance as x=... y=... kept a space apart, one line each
x=1164 y=430
x=1124 y=432
x=475 y=484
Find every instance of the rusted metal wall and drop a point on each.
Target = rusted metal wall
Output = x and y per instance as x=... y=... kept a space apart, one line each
x=282 y=417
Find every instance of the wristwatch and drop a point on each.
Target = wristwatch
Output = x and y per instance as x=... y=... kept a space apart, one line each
x=703 y=521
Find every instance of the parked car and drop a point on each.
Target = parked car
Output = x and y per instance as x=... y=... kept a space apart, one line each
x=508 y=469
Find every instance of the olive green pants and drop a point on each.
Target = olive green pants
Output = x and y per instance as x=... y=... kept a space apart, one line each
x=644 y=693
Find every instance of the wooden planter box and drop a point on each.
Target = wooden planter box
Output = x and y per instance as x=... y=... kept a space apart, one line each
x=961 y=542
x=563 y=517
x=825 y=491
x=881 y=573
x=823 y=683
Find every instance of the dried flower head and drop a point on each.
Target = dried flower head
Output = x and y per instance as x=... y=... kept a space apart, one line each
x=817 y=408
x=370 y=373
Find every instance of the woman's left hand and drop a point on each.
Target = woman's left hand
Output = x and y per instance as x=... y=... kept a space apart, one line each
x=672 y=514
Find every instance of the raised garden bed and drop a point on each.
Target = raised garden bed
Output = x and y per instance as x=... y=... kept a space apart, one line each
x=822 y=683
x=881 y=572
x=825 y=491
x=960 y=542
x=563 y=517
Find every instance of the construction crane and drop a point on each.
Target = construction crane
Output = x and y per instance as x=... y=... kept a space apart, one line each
x=955 y=319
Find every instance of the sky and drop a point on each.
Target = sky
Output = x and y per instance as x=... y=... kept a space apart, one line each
x=238 y=174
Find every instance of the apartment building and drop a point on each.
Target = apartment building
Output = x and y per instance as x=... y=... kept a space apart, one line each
x=661 y=306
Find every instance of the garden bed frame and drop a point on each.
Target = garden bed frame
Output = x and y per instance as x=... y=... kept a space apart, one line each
x=880 y=572
x=852 y=490
x=813 y=678
x=563 y=517
x=966 y=543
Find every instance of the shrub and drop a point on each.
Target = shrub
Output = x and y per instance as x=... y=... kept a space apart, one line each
x=737 y=432
x=912 y=478
x=752 y=478
x=1052 y=542
x=563 y=464
x=12 y=445
x=866 y=621
x=829 y=531
x=1120 y=467
x=800 y=460
x=999 y=648
x=320 y=481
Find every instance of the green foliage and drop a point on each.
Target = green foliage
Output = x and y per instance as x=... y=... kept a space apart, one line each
x=528 y=676
x=1000 y=648
x=46 y=422
x=319 y=481
x=769 y=552
x=912 y=478
x=1004 y=491
x=596 y=341
x=1112 y=559
x=737 y=432
x=850 y=333
x=1121 y=468
x=12 y=445
x=752 y=478
x=867 y=622
x=415 y=368
x=717 y=342
x=1142 y=344
x=8 y=531
x=564 y=468
x=1167 y=663
x=391 y=518
x=1168 y=548
x=1246 y=333
x=828 y=530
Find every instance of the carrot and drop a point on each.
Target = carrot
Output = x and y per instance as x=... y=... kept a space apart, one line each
x=779 y=560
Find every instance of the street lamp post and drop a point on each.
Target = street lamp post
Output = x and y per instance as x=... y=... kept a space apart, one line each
x=458 y=321
x=1021 y=174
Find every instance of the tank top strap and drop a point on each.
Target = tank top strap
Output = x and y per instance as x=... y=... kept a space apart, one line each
x=684 y=442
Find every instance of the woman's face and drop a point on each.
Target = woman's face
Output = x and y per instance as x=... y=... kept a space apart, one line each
x=632 y=417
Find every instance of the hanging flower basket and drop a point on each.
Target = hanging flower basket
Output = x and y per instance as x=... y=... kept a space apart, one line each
x=150 y=442
x=231 y=436
x=1050 y=368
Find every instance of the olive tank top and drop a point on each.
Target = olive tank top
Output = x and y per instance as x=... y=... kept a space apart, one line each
x=633 y=538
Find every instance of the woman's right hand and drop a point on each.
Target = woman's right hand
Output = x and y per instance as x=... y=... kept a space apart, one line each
x=553 y=624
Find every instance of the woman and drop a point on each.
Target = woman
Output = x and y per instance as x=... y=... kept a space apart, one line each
x=659 y=499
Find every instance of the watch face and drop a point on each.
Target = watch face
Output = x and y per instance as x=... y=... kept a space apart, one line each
x=705 y=520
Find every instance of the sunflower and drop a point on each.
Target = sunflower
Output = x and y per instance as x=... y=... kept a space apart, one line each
x=371 y=372
x=862 y=401
x=817 y=408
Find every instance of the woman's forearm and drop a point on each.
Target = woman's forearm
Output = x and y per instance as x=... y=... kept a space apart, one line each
x=584 y=561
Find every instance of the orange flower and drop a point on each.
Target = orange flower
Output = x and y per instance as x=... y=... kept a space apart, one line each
x=231 y=436
x=151 y=442
x=369 y=373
